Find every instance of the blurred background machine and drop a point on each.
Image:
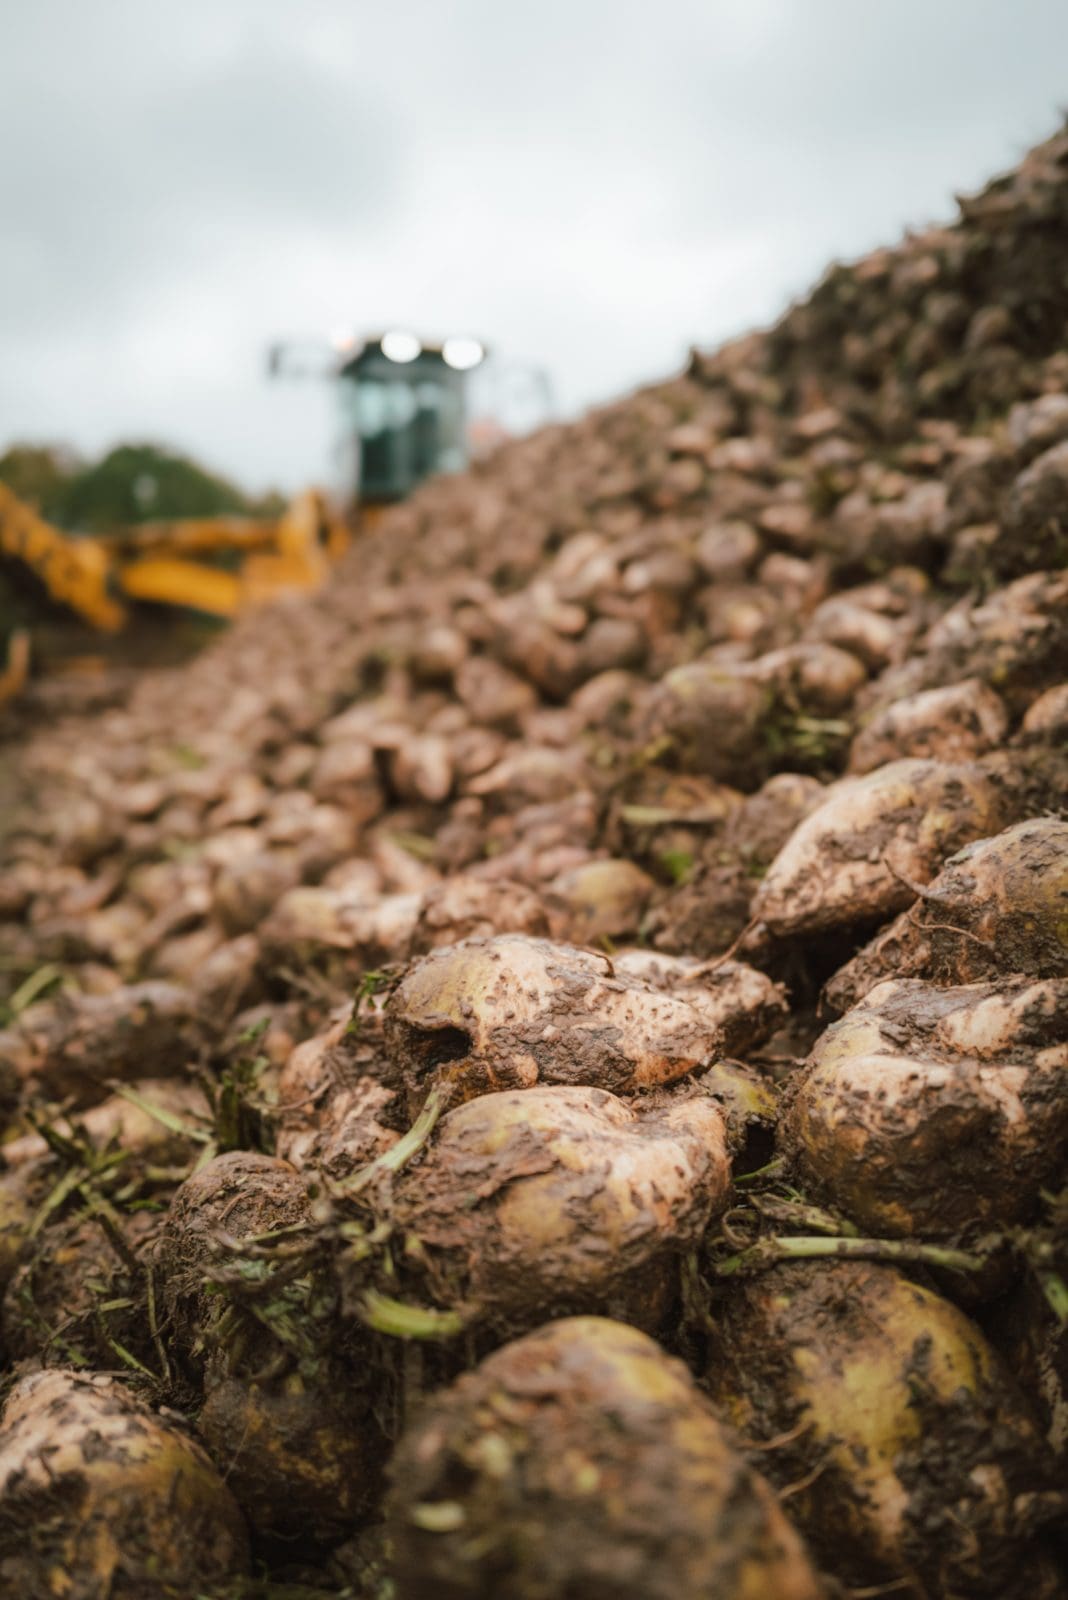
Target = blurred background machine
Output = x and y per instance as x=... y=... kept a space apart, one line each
x=406 y=408
x=62 y=592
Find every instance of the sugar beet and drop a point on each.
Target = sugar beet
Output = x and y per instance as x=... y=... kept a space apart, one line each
x=583 y=1461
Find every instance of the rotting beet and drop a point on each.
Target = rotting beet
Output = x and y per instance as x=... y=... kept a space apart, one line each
x=512 y=1012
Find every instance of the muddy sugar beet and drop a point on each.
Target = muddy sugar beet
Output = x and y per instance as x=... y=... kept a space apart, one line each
x=533 y=1203
x=99 y=1497
x=998 y=906
x=583 y=1461
x=851 y=861
x=907 y=1454
x=929 y=1110
x=283 y=1413
x=512 y=1012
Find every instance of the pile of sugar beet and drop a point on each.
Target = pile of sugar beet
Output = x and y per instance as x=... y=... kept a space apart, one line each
x=542 y=1071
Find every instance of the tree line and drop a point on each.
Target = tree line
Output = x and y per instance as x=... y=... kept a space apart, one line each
x=130 y=483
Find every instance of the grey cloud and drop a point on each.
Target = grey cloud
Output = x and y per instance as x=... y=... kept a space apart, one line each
x=137 y=177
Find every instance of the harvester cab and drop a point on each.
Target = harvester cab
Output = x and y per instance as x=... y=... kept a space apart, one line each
x=403 y=407
x=404 y=413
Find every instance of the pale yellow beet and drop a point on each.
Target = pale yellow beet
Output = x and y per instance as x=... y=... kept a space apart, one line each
x=559 y=1198
x=99 y=1497
x=928 y=1110
x=907 y=1454
x=850 y=861
x=580 y=1461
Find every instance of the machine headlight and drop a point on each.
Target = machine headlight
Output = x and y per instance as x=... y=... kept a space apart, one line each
x=400 y=347
x=463 y=354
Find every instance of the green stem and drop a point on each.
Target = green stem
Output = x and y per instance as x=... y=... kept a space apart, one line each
x=769 y=1171
x=71 y=1180
x=34 y=985
x=386 y=1315
x=172 y=1123
x=823 y=725
x=801 y=1214
x=361 y=1243
x=1056 y=1293
x=68 y=1150
x=129 y=1358
x=400 y=1153
x=802 y=1248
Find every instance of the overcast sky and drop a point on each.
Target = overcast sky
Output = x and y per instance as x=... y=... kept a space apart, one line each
x=591 y=185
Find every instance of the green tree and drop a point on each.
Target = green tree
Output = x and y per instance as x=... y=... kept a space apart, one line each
x=41 y=474
x=143 y=482
x=131 y=483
